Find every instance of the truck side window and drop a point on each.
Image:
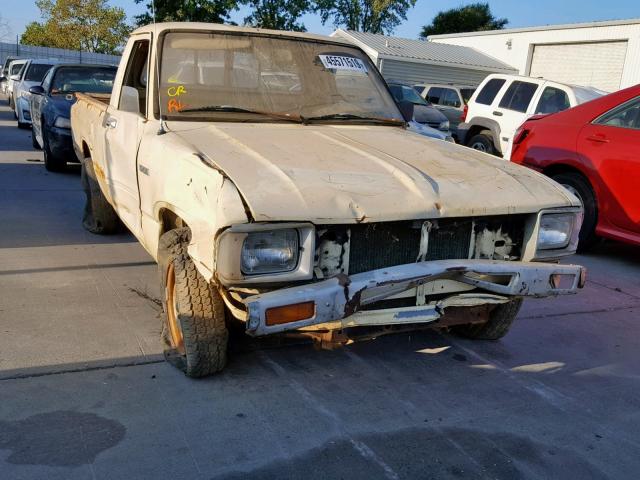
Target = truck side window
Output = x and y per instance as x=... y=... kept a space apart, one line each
x=518 y=96
x=136 y=74
x=489 y=91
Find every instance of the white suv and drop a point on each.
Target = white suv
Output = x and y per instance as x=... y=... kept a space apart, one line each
x=503 y=102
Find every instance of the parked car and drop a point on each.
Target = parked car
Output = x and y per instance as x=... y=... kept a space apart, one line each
x=33 y=74
x=503 y=102
x=427 y=131
x=450 y=99
x=5 y=73
x=423 y=112
x=309 y=209
x=50 y=106
x=594 y=151
x=16 y=69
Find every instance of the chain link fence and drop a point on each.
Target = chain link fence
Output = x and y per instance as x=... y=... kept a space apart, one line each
x=69 y=56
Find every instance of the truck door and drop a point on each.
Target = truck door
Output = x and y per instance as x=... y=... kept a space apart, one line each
x=124 y=124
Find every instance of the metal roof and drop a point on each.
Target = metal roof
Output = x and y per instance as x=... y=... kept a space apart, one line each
x=565 y=26
x=422 y=51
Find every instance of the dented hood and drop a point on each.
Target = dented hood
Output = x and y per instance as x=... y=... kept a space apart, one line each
x=343 y=174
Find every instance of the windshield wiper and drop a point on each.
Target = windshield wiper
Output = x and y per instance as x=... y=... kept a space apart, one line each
x=352 y=117
x=230 y=109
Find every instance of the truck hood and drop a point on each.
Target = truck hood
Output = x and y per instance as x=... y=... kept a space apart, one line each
x=346 y=174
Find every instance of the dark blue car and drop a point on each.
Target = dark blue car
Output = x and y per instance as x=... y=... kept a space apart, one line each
x=51 y=108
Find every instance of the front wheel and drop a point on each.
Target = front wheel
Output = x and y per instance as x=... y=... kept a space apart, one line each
x=194 y=325
x=499 y=323
x=34 y=140
x=52 y=162
x=581 y=188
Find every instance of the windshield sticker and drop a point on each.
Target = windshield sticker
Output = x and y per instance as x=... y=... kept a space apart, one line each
x=336 y=62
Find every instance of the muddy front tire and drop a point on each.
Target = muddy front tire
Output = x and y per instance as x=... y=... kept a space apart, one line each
x=99 y=216
x=194 y=324
x=499 y=323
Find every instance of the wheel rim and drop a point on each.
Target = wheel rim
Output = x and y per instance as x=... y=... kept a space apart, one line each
x=175 y=332
x=479 y=146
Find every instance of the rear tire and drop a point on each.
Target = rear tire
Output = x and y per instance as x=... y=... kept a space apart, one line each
x=581 y=188
x=23 y=125
x=11 y=105
x=499 y=323
x=51 y=162
x=99 y=216
x=482 y=142
x=194 y=325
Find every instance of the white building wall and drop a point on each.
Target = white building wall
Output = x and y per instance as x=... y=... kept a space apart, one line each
x=519 y=53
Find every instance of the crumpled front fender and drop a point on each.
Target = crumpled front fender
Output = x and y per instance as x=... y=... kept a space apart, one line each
x=343 y=296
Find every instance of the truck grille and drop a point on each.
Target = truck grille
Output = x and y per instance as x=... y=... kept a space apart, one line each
x=379 y=245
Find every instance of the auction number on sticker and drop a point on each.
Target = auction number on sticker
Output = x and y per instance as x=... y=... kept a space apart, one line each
x=338 y=62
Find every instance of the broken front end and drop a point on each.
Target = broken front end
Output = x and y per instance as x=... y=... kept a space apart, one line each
x=298 y=276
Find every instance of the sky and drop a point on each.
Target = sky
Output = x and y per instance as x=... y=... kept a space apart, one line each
x=520 y=13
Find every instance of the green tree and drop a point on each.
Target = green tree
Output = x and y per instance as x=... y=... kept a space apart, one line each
x=278 y=14
x=89 y=25
x=213 y=11
x=474 y=17
x=374 y=16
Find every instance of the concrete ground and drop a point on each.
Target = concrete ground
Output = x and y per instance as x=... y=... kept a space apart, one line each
x=84 y=392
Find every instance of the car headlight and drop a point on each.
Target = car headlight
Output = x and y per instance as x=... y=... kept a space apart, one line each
x=444 y=125
x=273 y=251
x=26 y=94
x=559 y=230
x=62 y=122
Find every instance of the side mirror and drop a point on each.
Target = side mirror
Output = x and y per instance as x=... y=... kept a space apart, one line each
x=36 y=90
x=129 y=100
x=406 y=109
x=15 y=78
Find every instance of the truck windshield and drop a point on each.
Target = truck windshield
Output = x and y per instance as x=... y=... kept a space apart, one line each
x=229 y=77
x=83 y=79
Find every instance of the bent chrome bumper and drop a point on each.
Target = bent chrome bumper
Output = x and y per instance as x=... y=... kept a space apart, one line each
x=343 y=296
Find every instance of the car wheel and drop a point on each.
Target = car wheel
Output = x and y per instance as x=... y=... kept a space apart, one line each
x=499 y=323
x=34 y=141
x=194 y=325
x=483 y=143
x=99 y=216
x=23 y=125
x=11 y=105
x=51 y=161
x=581 y=188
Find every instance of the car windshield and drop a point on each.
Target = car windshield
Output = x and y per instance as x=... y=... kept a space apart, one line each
x=83 y=79
x=249 y=77
x=403 y=93
x=36 y=72
x=466 y=94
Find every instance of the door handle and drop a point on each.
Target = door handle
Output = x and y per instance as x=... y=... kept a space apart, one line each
x=497 y=114
x=111 y=122
x=598 y=138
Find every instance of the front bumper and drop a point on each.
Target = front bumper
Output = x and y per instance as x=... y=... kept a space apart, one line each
x=341 y=297
x=61 y=143
x=23 y=110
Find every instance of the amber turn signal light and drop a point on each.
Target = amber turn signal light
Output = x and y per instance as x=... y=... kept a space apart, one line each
x=290 y=313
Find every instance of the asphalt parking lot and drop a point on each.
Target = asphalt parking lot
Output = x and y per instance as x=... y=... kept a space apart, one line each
x=85 y=393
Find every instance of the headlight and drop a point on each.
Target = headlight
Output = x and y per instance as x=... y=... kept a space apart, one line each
x=26 y=94
x=559 y=230
x=270 y=252
x=444 y=125
x=62 y=122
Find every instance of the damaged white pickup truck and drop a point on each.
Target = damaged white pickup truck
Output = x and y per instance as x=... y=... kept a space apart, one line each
x=272 y=177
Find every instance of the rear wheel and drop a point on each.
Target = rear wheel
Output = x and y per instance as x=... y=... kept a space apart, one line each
x=483 y=143
x=99 y=216
x=52 y=162
x=11 y=104
x=499 y=323
x=194 y=325
x=23 y=125
x=581 y=188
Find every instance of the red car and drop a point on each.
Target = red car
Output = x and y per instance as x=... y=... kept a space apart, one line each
x=594 y=151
